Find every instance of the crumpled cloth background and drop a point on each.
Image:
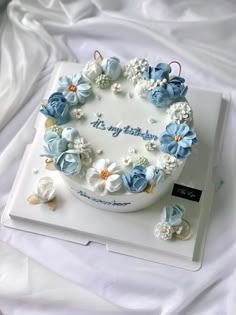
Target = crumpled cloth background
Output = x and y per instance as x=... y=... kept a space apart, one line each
x=40 y=275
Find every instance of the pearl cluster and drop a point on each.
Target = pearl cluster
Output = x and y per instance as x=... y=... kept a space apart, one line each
x=103 y=81
x=134 y=69
x=180 y=112
x=153 y=83
x=141 y=160
x=56 y=129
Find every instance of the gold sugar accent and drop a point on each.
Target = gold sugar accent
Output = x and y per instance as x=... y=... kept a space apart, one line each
x=52 y=204
x=44 y=102
x=98 y=56
x=180 y=68
x=34 y=200
x=49 y=165
x=186 y=232
x=150 y=187
x=49 y=123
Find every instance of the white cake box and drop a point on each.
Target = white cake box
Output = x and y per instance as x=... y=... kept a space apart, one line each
x=127 y=233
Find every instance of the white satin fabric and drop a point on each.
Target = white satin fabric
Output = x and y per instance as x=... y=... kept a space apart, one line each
x=74 y=279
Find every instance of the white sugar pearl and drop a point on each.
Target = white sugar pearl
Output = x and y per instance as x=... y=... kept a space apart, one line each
x=35 y=170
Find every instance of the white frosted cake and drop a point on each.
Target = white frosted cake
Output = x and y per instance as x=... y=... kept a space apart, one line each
x=119 y=134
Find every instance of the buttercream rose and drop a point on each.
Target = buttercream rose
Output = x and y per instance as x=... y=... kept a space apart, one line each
x=57 y=108
x=44 y=189
x=68 y=162
x=112 y=67
x=135 y=180
x=160 y=72
x=92 y=70
x=54 y=145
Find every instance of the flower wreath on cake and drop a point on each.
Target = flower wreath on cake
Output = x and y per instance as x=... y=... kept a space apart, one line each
x=71 y=154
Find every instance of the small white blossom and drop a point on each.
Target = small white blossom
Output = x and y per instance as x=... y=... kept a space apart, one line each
x=116 y=88
x=151 y=145
x=132 y=150
x=126 y=161
x=77 y=113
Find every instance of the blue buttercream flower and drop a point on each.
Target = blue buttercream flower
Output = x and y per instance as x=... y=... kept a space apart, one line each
x=170 y=92
x=154 y=173
x=112 y=67
x=177 y=140
x=76 y=88
x=160 y=72
x=68 y=162
x=54 y=145
x=135 y=180
x=172 y=214
x=57 y=108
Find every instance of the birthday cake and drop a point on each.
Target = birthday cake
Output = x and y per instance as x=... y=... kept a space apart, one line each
x=119 y=134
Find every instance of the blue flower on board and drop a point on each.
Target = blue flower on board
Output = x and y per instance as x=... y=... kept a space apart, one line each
x=172 y=214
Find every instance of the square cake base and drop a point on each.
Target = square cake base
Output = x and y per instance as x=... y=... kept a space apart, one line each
x=127 y=233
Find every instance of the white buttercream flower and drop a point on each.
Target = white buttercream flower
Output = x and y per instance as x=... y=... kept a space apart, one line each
x=44 y=189
x=180 y=112
x=164 y=230
x=104 y=176
x=168 y=163
x=85 y=150
x=92 y=70
x=141 y=88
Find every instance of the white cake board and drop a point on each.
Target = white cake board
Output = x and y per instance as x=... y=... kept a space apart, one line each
x=127 y=233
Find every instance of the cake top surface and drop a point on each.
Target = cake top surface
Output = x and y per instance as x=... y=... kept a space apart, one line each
x=110 y=121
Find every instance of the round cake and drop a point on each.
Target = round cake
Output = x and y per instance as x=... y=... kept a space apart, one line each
x=119 y=134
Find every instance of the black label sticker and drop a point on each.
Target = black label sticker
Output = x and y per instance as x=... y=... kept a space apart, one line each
x=186 y=192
